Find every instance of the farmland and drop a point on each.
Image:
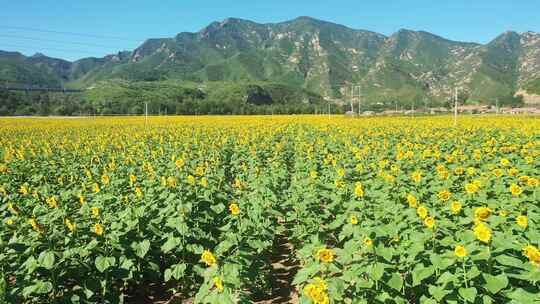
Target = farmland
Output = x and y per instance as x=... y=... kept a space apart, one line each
x=371 y=210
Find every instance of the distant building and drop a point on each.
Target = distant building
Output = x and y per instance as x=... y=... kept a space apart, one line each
x=416 y=111
x=472 y=109
x=529 y=110
x=392 y=112
x=438 y=110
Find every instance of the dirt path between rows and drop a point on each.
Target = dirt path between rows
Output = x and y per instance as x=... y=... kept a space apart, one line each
x=284 y=268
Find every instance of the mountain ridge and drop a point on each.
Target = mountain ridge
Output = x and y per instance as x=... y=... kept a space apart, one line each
x=312 y=54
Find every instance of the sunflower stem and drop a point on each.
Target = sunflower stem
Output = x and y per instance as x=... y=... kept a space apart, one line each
x=465 y=274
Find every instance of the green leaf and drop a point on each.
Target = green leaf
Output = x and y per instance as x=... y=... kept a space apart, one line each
x=377 y=271
x=487 y=300
x=441 y=262
x=351 y=274
x=438 y=292
x=445 y=278
x=396 y=282
x=509 y=261
x=127 y=264
x=167 y=275
x=522 y=296
x=170 y=244
x=40 y=287
x=223 y=247
x=468 y=294
x=46 y=259
x=218 y=208
x=473 y=272
x=336 y=288
x=3 y=286
x=195 y=248
x=364 y=284
x=305 y=273
x=383 y=297
x=178 y=270
x=103 y=263
x=31 y=264
x=386 y=253
x=421 y=273
x=495 y=283
x=141 y=248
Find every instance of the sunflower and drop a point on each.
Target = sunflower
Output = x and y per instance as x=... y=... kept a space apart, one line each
x=515 y=189
x=455 y=207
x=95 y=211
x=460 y=251
x=98 y=229
x=234 y=209
x=522 y=221
x=358 y=189
x=503 y=213
x=459 y=171
x=105 y=179
x=218 y=283
x=444 y=195
x=412 y=200
x=71 y=226
x=326 y=255
x=208 y=258
x=422 y=212
x=482 y=213
x=429 y=222
x=532 y=182
x=316 y=291
x=416 y=176
x=482 y=233
x=533 y=254
x=368 y=242
x=471 y=188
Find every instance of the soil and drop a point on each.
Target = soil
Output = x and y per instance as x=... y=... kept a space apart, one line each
x=284 y=268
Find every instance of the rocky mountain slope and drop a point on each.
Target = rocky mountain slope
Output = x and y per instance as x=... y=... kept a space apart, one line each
x=321 y=57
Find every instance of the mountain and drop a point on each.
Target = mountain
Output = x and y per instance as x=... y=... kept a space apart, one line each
x=312 y=55
x=37 y=69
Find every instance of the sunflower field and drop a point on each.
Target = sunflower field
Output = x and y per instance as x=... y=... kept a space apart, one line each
x=375 y=210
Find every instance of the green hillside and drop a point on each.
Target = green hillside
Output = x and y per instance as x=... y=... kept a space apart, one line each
x=305 y=55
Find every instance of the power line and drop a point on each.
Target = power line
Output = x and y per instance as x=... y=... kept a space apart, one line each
x=56 y=41
x=50 y=49
x=68 y=33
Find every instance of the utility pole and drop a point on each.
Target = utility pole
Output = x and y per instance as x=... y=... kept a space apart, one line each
x=455 y=107
x=497 y=105
x=352 y=96
x=328 y=109
x=359 y=97
x=146 y=114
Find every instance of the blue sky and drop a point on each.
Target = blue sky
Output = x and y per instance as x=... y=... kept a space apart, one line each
x=120 y=25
